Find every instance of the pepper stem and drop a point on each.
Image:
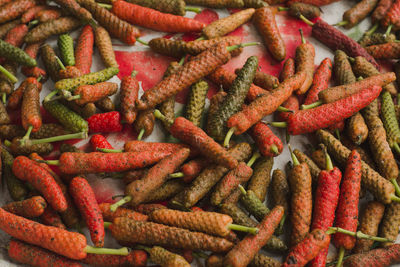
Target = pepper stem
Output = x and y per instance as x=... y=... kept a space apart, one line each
x=73 y=97
x=176 y=175
x=141 y=133
x=201 y=38
x=142 y=42
x=337 y=132
x=33 y=22
x=358 y=234
x=283 y=109
x=50 y=96
x=27 y=135
x=351 y=59
x=182 y=60
x=134 y=73
x=306 y=21
x=49 y=162
x=389 y=29
x=395 y=198
x=294 y=158
x=161 y=117
x=8 y=74
x=279 y=230
x=119 y=203
x=281 y=8
x=3 y=97
x=241 y=188
x=303 y=40
x=241 y=228
x=396 y=147
x=7 y=143
x=107 y=251
x=287 y=136
x=274 y=149
x=342 y=23
x=278 y=124
x=396 y=186
x=106 y=6
x=108 y=150
x=233 y=47
x=312 y=105
x=340 y=257
x=107 y=224
x=193 y=9
x=229 y=136
x=372 y=30
x=328 y=160
x=60 y=63
x=80 y=135
x=253 y=159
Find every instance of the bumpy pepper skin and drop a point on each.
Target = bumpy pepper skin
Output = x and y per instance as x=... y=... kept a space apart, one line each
x=389 y=120
x=84 y=50
x=163 y=257
x=305 y=54
x=196 y=102
x=30 y=108
x=16 y=188
x=52 y=67
x=53 y=27
x=6 y=27
x=392 y=16
x=358 y=12
x=85 y=200
x=217 y=3
x=376 y=38
x=176 y=7
x=380 y=11
x=390 y=223
x=264 y=20
x=320 y=81
x=29 y=208
x=96 y=92
x=13 y=9
x=4 y=118
x=103 y=43
x=196 y=47
x=136 y=258
x=369 y=223
x=314 y=168
x=381 y=188
x=15 y=54
x=226 y=25
x=168 y=47
x=66 y=45
x=234 y=100
x=307 y=10
x=26 y=170
x=145 y=121
x=301 y=201
x=261 y=177
x=128 y=230
x=377 y=257
x=267 y=142
x=69 y=119
x=254 y=205
x=280 y=190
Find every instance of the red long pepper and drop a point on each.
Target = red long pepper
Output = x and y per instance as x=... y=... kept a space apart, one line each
x=320 y=82
x=267 y=142
x=99 y=141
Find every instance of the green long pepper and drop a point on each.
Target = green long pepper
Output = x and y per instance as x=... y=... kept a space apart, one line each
x=69 y=119
x=66 y=45
x=15 y=54
x=390 y=122
x=87 y=79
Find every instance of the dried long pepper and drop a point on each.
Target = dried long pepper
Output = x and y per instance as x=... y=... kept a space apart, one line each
x=28 y=208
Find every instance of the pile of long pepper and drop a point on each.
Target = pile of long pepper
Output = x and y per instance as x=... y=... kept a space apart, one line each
x=203 y=193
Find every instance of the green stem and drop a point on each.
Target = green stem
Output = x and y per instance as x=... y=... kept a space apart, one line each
x=328 y=161
x=182 y=60
x=201 y=38
x=396 y=147
x=306 y=21
x=107 y=251
x=60 y=63
x=142 y=42
x=340 y=257
x=106 y=6
x=281 y=8
x=176 y=175
x=358 y=234
x=373 y=29
x=233 y=47
x=108 y=150
x=50 y=162
x=161 y=117
x=193 y=9
x=253 y=159
x=134 y=73
x=119 y=203
x=395 y=198
x=33 y=22
x=303 y=40
x=312 y=105
x=107 y=224
x=287 y=136
x=334 y=262
x=50 y=96
x=281 y=225
x=8 y=74
x=3 y=98
x=337 y=132
x=141 y=133
x=7 y=143
x=396 y=186
x=229 y=136
x=359 y=139
x=80 y=135
x=241 y=188
x=278 y=124
x=27 y=135
x=283 y=109
x=141 y=247
x=74 y=97
x=342 y=23
x=351 y=59
x=294 y=158
x=275 y=150
x=389 y=29
x=241 y=228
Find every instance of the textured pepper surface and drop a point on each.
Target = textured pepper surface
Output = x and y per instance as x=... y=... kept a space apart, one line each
x=84 y=50
x=377 y=257
x=320 y=81
x=128 y=230
x=4 y=118
x=217 y=3
x=254 y=205
x=109 y=215
x=196 y=47
x=267 y=142
x=29 y=208
x=13 y=9
x=358 y=12
x=264 y=21
x=96 y=92
x=176 y=7
x=196 y=102
x=168 y=47
x=30 y=108
x=53 y=27
x=17 y=148
x=136 y=258
x=66 y=45
x=15 y=54
x=51 y=65
x=261 y=177
x=163 y=257
x=145 y=121
x=103 y=43
x=69 y=244
x=380 y=11
x=390 y=223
